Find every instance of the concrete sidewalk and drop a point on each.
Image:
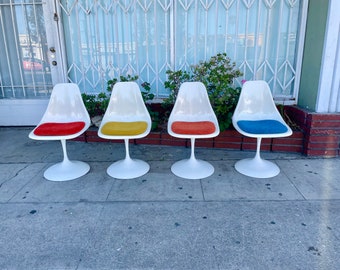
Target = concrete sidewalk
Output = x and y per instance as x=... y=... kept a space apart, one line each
x=160 y=221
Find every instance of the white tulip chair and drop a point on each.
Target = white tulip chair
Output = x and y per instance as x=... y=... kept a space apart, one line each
x=256 y=116
x=65 y=118
x=126 y=118
x=192 y=117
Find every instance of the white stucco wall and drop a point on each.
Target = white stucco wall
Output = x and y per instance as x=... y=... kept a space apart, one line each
x=328 y=99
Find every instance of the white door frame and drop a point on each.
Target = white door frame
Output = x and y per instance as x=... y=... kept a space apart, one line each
x=28 y=112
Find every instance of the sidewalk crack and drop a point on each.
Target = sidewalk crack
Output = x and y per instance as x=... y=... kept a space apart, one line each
x=202 y=190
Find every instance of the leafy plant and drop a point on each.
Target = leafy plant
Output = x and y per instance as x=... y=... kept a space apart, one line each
x=128 y=78
x=97 y=104
x=147 y=97
x=175 y=79
x=217 y=74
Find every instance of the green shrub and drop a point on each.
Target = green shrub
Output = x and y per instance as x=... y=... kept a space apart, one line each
x=175 y=79
x=147 y=97
x=217 y=74
x=128 y=78
x=96 y=105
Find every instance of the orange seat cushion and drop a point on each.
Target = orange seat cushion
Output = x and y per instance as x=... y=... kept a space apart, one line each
x=193 y=128
x=59 y=129
x=124 y=128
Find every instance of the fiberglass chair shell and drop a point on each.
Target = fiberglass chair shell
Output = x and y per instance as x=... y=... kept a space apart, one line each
x=256 y=116
x=65 y=118
x=126 y=118
x=192 y=117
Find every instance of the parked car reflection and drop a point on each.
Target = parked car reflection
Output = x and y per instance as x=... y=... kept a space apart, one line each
x=34 y=64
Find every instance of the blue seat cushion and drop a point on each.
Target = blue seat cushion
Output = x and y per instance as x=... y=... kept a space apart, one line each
x=262 y=126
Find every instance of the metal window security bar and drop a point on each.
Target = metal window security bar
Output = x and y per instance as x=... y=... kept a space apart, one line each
x=106 y=39
x=24 y=69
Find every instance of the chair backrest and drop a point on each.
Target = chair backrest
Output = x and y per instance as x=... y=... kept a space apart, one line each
x=256 y=102
x=65 y=117
x=193 y=105
x=126 y=105
x=256 y=114
x=66 y=105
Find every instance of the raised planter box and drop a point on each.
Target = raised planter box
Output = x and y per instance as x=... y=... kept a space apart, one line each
x=229 y=139
x=319 y=135
x=321 y=131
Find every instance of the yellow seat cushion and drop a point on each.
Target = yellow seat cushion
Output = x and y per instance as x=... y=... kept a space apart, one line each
x=124 y=128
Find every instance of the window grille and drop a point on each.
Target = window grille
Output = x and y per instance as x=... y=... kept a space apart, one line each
x=24 y=69
x=106 y=39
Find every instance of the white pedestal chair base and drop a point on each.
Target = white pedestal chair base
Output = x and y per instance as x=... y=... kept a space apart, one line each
x=66 y=170
x=192 y=169
x=257 y=167
x=128 y=168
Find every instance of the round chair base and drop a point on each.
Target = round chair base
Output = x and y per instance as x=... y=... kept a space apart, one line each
x=192 y=169
x=258 y=168
x=128 y=169
x=65 y=171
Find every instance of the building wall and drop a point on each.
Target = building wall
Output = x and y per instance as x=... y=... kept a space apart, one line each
x=313 y=51
x=328 y=100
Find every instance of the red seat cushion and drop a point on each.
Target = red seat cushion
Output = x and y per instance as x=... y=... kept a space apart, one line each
x=59 y=129
x=193 y=128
